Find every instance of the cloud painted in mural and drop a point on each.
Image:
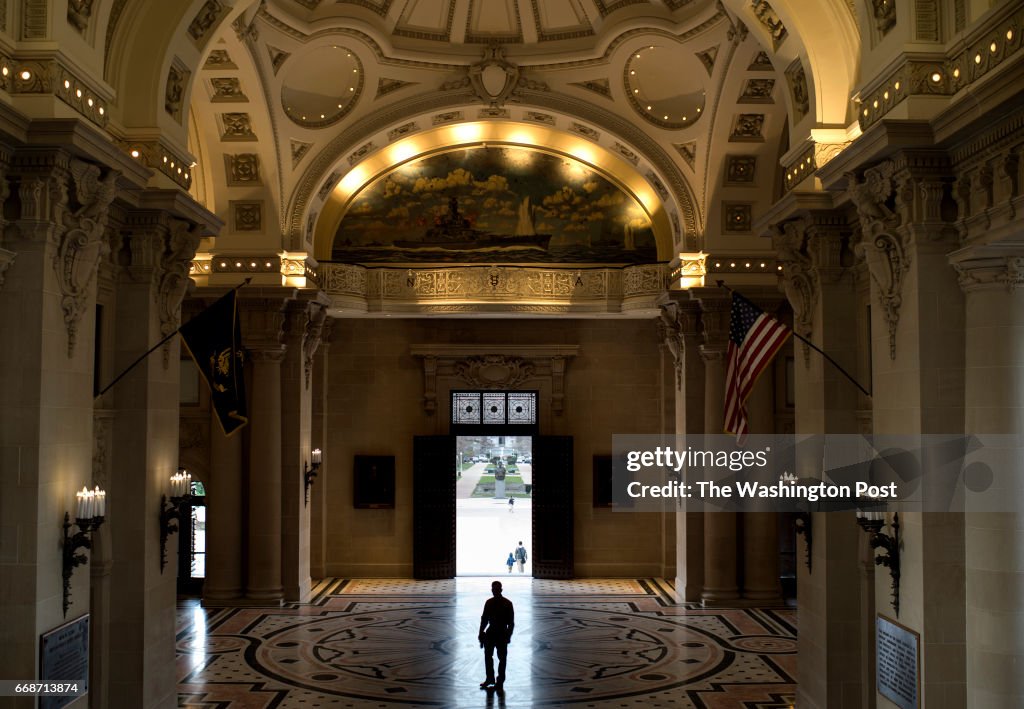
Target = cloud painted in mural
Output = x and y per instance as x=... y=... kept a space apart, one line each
x=494 y=203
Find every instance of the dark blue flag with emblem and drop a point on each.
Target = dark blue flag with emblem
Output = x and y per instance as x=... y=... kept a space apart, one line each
x=213 y=338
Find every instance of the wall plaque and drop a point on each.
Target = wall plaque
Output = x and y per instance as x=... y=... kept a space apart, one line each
x=899 y=655
x=64 y=657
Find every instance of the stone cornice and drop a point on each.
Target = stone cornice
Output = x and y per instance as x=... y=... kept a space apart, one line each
x=990 y=267
x=509 y=289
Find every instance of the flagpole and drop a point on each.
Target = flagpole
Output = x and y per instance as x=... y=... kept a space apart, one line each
x=153 y=349
x=797 y=335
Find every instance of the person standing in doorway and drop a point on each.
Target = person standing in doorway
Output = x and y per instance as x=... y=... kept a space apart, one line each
x=496 y=625
x=521 y=557
x=510 y=562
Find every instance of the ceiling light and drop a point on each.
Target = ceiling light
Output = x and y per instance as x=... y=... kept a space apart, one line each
x=102 y=110
x=78 y=93
x=896 y=86
x=977 y=59
x=67 y=84
x=1009 y=35
x=937 y=77
x=992 y=47
x=135 y=153
x=26 y=75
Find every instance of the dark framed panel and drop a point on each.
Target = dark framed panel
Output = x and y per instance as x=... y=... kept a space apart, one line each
x=374 y=482
x=487 y=412
x=602 y=481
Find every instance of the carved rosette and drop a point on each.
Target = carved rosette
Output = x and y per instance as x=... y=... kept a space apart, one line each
x=799 y=280
x=882 y=246
x=494 y=371
x=81 y=245
x=172 y=277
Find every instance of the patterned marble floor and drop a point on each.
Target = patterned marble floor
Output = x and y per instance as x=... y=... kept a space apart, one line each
x=403 y=643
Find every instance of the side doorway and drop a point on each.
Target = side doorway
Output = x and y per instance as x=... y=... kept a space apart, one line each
x=192 y=543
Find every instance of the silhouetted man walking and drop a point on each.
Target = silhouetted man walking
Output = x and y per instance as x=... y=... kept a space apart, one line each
x=496 y=625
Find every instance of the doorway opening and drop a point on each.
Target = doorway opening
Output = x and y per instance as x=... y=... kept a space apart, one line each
x=192 y=542
x=493 y=505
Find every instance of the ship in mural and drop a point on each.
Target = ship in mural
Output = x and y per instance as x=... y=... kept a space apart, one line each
x=485 y=204
x=454 y=232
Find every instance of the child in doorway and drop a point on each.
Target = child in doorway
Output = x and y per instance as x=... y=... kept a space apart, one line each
x=510 y=562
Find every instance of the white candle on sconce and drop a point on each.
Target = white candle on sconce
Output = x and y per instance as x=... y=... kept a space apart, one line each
x=318 y=456
x=81 y=498
x=101 y=502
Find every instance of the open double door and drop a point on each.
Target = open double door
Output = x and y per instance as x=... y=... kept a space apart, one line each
x=434 y=507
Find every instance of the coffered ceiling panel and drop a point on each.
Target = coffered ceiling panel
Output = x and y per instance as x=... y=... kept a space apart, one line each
x=494 y=21
x=427 y=19
x=556 y=19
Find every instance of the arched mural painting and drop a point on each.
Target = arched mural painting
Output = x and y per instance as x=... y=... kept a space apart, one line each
x=483 y=204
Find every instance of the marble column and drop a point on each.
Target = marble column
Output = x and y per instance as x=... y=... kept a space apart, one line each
x=318 y=439
x=993 y=280
x=144 y=455
x=918 y=368
x=225 y=523
x=761 y=529
x=303 y=324
x=679 y=333
x=721 y=585
x=822 y=294
x=262 y=323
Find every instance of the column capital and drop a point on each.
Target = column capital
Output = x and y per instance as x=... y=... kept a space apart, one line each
x=679 y=320
x=714 y=317
x=262 y=317
x=992 y=267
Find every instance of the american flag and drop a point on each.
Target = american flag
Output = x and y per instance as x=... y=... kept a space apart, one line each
x=754 y=339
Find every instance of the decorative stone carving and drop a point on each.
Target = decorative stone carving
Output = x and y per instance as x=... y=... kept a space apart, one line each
x=657 y=184
x=227 y=89
x=538 y=117
x=402 y=131
x=748 y=127
x=277 y=57
x=586 y=131
x=708 y=57
x=761 y=62
x=492 y=113
x=328 y=185
x=767 y=16
x=236 y=126
x=247 y=216
x=81 y=244
x=670 y=331
x=219 y=59
x=79 y=12
x=386 y=85
x=737 y=217
x=174 y=93
x=797 y=80
x=627 y=153
x=311 y=339
x=757 y=91
x=6 y=259
x=100 y=445
x=205 y=19
x=885 y=15
x=362 y=151
x=598 y=86
x=987 y=272
x=798 y=278
x=740 y=169
x=688 y=151
x=446 y=117
x=882 y=248
x=482 y=367
x=494 y=371
x=493 y=78
x=299 y=150
x=172 y=277
x=243 y=169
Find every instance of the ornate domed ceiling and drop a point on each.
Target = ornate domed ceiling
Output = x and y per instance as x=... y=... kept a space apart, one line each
x=506 y=22
x=679 y=103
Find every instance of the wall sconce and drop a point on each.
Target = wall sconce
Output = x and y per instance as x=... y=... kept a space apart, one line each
x=90 y=511
x=170 y=511
x=802 y=523
x=311 y=471
x=872 y=521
